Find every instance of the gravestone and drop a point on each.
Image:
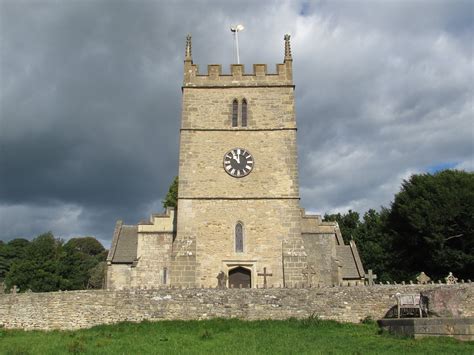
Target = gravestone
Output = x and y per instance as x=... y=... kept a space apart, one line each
x=422 y=278
x=450 y=279
x=221 y=280
x=370 y=277
x=264 y=274
x=308 y=274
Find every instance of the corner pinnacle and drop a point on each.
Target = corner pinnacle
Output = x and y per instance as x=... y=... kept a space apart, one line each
x=188 y=55
x=287 y=47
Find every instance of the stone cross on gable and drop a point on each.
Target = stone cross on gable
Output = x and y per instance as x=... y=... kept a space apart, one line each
x=264 y=274
x=308 y=273
x=370 y=277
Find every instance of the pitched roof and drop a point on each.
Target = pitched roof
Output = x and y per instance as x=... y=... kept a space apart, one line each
x=124 y=245
x=357 y=259
x=351 y=268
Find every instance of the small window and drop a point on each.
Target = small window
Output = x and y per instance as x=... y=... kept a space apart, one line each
x=239 y=238
x=165 y=276
x=244 y=113
x=235 y=108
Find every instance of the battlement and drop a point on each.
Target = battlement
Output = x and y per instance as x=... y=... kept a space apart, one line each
x=160 y=223
x=237 y=77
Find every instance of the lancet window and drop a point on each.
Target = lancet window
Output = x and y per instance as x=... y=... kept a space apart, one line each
x=243 y=113
x=239 y=238
x=235 y=113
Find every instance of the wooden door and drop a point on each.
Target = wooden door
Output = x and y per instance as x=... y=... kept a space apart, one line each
x=240 y=278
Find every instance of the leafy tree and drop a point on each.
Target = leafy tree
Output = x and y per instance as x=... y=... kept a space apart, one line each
x=38 y=270
x=4 y=267
x=47 y=264
x=80 y=256
x=374 y=244
x=171 y=199
x=97 y=275
x=4 y=264
x=432 y=222
x=87 y=245
x=349 y=224
x=9 y=252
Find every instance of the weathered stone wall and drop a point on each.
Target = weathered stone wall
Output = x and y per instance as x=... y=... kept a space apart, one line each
x=83 y=309
x=211 y=202
x=208 y=234
x=153 y=254
x=211 y=108
x=321 y=249
x=119 y=276
x=202 y=174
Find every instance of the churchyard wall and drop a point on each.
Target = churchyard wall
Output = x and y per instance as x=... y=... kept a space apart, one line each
x=84 y=309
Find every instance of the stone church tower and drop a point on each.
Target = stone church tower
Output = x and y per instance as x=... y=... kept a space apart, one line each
x=238 y=222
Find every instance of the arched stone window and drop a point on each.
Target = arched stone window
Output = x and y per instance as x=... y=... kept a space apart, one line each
x=239 y=238
x=244 y=113
x=235 y=109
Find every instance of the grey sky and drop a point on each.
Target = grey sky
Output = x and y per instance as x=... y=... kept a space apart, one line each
x=90 y=100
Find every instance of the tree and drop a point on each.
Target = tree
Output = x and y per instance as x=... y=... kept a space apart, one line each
x=171 y=199
x=86 y=245
x=10 y=252
x=81 y=255
x=47 y=264
x=349 y=224
x=97 y=275
x=38 y=269
x=4 y=267
x=432 y=222
x=374 y=244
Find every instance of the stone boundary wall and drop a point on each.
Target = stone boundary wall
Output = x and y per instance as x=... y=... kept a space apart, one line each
x=84 y=309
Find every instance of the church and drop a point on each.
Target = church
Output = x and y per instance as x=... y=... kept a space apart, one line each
x=238 y=221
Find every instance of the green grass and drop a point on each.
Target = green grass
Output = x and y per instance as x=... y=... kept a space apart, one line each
x=219 y=336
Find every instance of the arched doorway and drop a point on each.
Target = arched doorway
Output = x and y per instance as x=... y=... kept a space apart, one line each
x=240 y=278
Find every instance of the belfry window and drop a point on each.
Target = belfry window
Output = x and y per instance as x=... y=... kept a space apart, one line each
x=235 y=110
x=239 y=238
x=244 y=113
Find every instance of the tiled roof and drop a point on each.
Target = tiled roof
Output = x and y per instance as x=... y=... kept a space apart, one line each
x=349 y=264
x=126 y=248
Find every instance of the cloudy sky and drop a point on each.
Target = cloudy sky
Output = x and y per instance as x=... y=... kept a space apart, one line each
x=90 y=100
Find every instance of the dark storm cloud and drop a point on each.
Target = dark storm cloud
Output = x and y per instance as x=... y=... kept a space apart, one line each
x=90 y=100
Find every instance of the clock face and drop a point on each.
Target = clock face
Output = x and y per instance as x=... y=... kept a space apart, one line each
x=238 y=162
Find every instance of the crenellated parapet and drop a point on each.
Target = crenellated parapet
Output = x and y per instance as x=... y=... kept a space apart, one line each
x=160 y=223
x=238 y=77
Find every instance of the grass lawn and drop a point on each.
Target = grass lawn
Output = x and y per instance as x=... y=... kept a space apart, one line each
x=219 y=336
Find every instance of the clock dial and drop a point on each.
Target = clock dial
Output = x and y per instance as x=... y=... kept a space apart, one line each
x=238 y=162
